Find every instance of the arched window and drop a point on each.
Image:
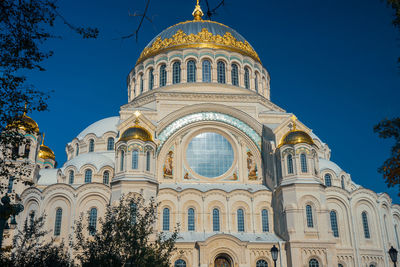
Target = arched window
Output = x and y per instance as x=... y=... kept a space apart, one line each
x=15 y=151
x=122 y=163
x=328 y=180
x=180 y=263
x=110 y=143
x=141 y=83
x=206 y=71
x=372 y=265
x=165 y=219
x=397 y=236
x=221 y=72
x=290 y=164
x=191 y=71
x=176 y=72
x=303 y=161
x=92 y=221
x=163 y=75
x=148 y=158
x=342 y=181
x=91 y=145
x=71 y=177
x=264 y=220
x=365 y=225
x=256 y=83
x=191 y=225
x=88 y=176
x=10 y=184
x=151 y=79
x=216 y=220
x=77 y=150
x=240 y=220
x=135 y=159
x=247 y=78
x=235 y=74
x=313 y=263
x=340 y=265
x=334 y=223
x=57 y=224
x=106 y=177
x=27 y=149
x=261 y=263
x=309 y=215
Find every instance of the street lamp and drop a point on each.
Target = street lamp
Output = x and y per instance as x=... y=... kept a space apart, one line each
x=393 y=255
x=274 y=253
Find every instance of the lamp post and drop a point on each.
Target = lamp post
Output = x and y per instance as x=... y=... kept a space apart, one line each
x=274 y=254
x=6 y=210
x=393 y=255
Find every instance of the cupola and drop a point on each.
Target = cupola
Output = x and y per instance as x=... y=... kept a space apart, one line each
x=24 y=123
x=45 y=152
x=295 y=136
x=136 y=132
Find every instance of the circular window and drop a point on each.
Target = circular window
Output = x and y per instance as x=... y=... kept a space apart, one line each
x=209 y=154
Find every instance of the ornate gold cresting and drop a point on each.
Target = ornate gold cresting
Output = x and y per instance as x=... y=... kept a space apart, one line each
x=203 y=39
x=198 y=13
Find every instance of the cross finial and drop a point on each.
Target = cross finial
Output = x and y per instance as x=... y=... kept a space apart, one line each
x=198 y=13
x=294 y=119
x=43 y=140
x=137 y=114
x=26 y=104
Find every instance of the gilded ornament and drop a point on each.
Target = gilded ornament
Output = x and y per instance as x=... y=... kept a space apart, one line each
x=203 y=39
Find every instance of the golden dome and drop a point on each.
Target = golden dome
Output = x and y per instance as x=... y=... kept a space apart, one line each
x=24 y=123
x=296 y=137
x=46 y=153
x=136 y=132
x=198 y=33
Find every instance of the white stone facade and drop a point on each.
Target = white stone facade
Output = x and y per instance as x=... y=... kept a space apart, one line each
x=259 y=179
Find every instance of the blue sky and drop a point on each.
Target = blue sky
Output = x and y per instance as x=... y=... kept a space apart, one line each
x=332 y=63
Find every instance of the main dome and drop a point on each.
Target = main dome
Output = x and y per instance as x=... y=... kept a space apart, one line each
x=198 y=33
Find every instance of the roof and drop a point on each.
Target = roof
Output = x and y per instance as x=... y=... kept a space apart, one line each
x=101 y=127
x=98 y=160
x=327 y=164
x=204 y=187
x=47 y=176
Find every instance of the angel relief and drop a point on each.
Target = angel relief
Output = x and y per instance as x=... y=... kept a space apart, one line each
x=251 y=166
x=168 y=165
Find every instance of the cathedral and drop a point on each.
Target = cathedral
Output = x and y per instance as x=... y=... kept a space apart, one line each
x=239 y=174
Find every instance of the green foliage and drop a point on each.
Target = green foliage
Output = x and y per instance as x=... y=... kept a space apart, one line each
x=391 y=167
x=30 y=248
x=395 y=4
x=126 y=237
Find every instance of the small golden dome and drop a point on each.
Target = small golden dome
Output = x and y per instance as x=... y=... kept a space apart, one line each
x=24 y=123
x=136 y=132
x=46 y=153
x=296 y=137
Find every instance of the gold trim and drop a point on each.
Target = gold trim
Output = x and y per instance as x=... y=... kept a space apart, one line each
x=203 y=39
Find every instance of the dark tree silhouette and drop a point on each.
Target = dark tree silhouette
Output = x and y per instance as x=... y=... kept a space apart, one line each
x=126 y=237
x=31 y=249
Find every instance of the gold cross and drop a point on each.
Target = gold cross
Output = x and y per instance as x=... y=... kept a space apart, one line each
x=198 y=2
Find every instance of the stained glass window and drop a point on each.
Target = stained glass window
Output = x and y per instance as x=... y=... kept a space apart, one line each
x=365 y=225
x=210 y=154
x=88 y=176
x=235 y=74
x=166 y=219
x=106 y=177
x=290 y=164
x=303 y=161
x=110 y=143
x=91 y=145
x=206 y=71
x=240 y=220
x=261 y=263
x=334 y=223
x=191 y=225
x=135 y=159
x=264 y=220
x=221 y=72
x=216 y=227
x=180 y=263
x=92 y=221
x=176 y=72
x=163 y=75
x=71 y=177
x=57 y=225
x=313 y=263
x=191 y=71
x=247 y=78
x=328 y=179
x=309 y=215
